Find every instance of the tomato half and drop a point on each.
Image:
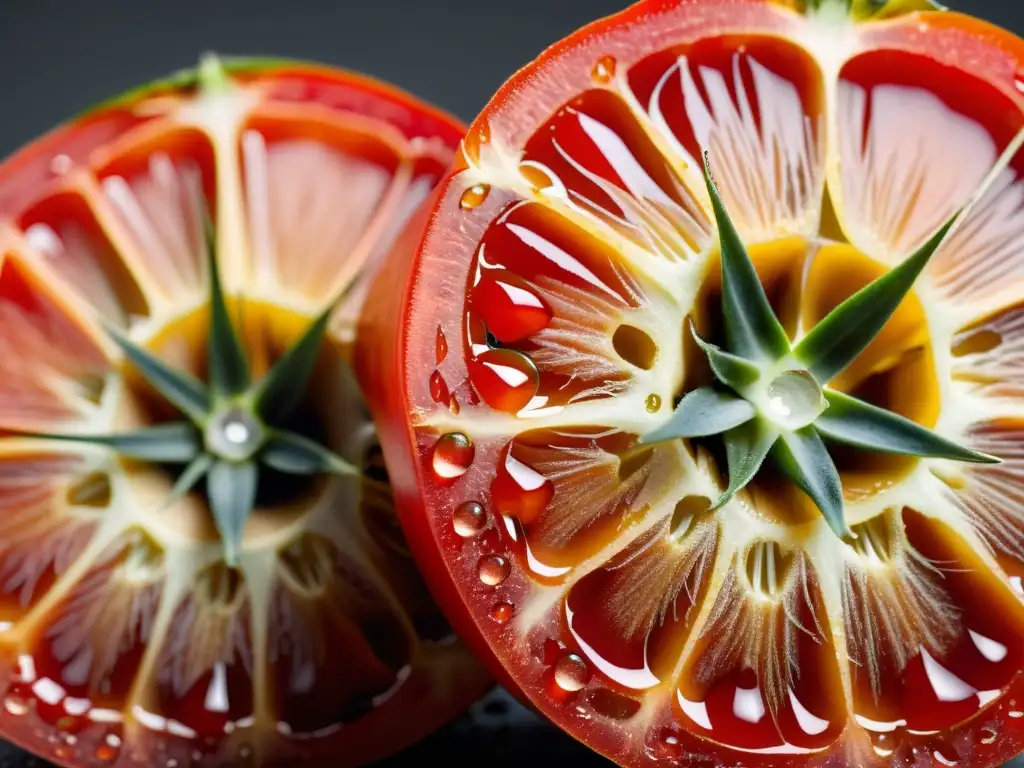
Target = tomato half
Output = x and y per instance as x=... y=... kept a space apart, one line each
x=125 y=637
x=542 y=330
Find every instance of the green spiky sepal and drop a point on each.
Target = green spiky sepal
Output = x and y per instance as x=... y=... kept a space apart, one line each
x=232 y=427
x=771 y=398
x=863 y=10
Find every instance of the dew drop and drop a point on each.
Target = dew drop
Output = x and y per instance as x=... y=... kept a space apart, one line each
x=502 y=612
x=653 y=403
x=483 y=133
x=794 y=400
x=493 y=569
x=453 y=454
x=17 y=700
x=469 y=519
x=571 y=673
x=474 y=196
x=988 y=734
x=505 y=379
x=668 y=744
x=508 y=306
x=109 y=748
x=439 y=388
x=60 y=165
x=440 y=346
x=604 y=69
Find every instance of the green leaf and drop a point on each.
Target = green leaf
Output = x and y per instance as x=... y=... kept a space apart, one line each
x=182 y=390
x=746 y=447
x=862 y=425
x=231 y=489
x=702 y=412
x=229 y=367
x=802 y=456
x=732 y=370
x=297 y=455
x=277 y=393
x=751 y=328
x=173 y=443
x=186 y=480
x=848 y=329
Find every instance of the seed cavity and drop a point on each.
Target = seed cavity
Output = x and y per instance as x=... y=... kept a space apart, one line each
x=686 y=513
x=874 y=542
x=635 y=346
x=766 y=569
x=307 y=565
x=93 y=490
x=220 y=587
x=976 y=343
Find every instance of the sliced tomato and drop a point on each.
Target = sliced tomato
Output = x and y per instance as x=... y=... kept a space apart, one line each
x=542 y=329
x=124 y=638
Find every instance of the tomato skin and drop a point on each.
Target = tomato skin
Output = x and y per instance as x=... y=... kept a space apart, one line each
x=432 y=696
x=378 y=360
x=434 y=265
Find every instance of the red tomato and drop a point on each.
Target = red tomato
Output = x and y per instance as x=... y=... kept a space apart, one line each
x=125 y=637
x=573 y=237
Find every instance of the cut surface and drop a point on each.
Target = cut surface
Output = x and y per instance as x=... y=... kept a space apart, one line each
x=574 y=245
x=124 y=636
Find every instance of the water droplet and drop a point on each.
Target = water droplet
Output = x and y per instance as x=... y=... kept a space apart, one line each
x=440 y=346
x=502 y=612
x=453 y=454
x=604 y=69
x=474 y=196
x=493 y=569
x=60 y=165
x=18 y=699
x=453 y=405
x=668 y=744
x=109 y=749
x=469 y=519
x=505 y=379
x=653 y=403
x=508 y=306
x=483 y=132
x=571 y=673
x=794 y=400
x=439 y=388
x=989 y=734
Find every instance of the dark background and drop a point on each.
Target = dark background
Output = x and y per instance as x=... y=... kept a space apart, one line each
x=57 y=57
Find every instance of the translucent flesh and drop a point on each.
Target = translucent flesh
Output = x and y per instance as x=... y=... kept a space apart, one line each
x=122 y=631
x=753 y=626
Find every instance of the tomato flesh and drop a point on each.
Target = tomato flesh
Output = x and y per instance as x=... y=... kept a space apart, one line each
x=124 y=637
x=567 y=252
